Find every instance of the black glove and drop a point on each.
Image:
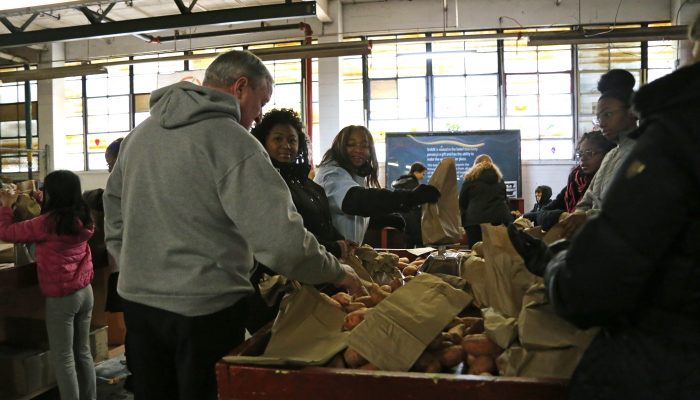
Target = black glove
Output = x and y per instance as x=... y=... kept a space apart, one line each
x=535 y=253
x=424 y=194
x=387 y=220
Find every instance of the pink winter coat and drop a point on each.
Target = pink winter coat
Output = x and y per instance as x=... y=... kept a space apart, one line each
x=64 y=262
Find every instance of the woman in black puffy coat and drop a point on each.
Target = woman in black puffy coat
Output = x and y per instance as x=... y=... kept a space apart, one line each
x=483 y=198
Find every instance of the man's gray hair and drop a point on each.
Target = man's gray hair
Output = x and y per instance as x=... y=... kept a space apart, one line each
x=227 y=68
x=694 y=29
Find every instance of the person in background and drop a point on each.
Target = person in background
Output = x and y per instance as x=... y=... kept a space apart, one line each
x=483 y=198
x=543 y=196
x=412 y=217
x=348 y=174
x=64 y=269
x=634 y=270
x=592 y=148
x=616 y=120
x=185 y=222
x=282 y=134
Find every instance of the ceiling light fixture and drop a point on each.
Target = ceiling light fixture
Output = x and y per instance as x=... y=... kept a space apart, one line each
x=590 y=36
x=52 y=73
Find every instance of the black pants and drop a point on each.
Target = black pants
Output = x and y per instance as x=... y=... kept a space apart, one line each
x=473 y=234
x=173 y=356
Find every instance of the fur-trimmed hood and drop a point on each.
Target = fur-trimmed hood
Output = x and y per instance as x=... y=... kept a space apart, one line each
x=484 y=171
x=679 y=89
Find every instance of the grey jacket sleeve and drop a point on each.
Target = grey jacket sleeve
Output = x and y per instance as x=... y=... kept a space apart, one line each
x=258 y=201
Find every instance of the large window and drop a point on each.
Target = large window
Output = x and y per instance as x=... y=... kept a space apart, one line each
x=538 y=88
x=547 y=92
x=13 y=128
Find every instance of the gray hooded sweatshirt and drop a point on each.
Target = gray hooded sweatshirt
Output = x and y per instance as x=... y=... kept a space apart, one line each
x=192 y=199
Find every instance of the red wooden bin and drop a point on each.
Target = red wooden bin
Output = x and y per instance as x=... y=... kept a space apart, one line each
x=244 y=382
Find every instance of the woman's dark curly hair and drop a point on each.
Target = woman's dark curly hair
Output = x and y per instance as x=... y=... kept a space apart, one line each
x=338 y=154
x=283 y=116
x=63 y=198
x=598 y=141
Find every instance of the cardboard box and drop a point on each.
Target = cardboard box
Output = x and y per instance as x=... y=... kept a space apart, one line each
x=31 y=333
x=23 y=371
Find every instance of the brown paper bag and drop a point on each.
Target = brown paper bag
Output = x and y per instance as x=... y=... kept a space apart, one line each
x=399 y=329
x=553 y=234
x=307 y=331
x=26 y=208
x=539 y=327
x=506 y=278
x=558 y=363
x=474 y=272
x=440 y=222
x=500 y=329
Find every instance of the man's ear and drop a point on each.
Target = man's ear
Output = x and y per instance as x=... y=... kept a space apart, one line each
x=238 y=86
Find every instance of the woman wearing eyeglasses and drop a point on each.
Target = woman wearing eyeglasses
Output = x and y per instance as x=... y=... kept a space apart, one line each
x=592 y=148
x=616 y=121
x=348 y=174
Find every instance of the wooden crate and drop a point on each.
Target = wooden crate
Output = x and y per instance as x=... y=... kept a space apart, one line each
x=243 y=382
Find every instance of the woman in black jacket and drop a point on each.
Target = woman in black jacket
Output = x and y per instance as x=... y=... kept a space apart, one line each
x=634 y=270
x=483 y=198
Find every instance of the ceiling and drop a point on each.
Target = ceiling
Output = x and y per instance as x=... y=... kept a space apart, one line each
x=25 y=31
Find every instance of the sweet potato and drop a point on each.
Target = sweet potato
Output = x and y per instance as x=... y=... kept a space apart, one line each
x=441 y=341
x=410 y=270
x=354 y=306
x=353 y=359
x=451 y=356
x=402 y=265
x=427 y=362
x=480 y=364
x=369 y=367
x=395 y=284
x=342 y=298
x=480 y=345
x=456 y=333
x=368 y=301
x=337 y=361
x=377 y=294
x=404 y=260
x=473 y=325
x=354 y=318
x=331 y=301
x=386 y=288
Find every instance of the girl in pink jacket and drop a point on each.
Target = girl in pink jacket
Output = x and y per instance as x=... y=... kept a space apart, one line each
x=64 y=268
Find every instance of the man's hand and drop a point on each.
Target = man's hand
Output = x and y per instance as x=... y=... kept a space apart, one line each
x=351 y=281
x=535 y=253
x=347 y=248
x=572 y=224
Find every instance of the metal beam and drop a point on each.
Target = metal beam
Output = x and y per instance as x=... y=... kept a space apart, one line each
x=232 y=15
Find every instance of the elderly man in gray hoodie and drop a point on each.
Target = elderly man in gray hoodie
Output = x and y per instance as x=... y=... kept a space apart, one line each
x=192 y=200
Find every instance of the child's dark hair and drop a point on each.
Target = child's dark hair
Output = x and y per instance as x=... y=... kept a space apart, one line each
x=63 y=199
x=598 y=141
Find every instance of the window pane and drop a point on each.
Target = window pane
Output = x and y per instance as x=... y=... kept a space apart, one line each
x=555 y=104
x=555 y=83
x=449 y=86
x=351 y=90
x=447 y=64
x=73 y=126
x=529 y=126
x=521 y=61
x=519 y=84
x=352 y=67
x=96 y=86
x=530 y=150
x=556 y=149
x=402 y=125
x=556 y=127
x=352 y=114
x=482 y=63
x=450 y=107
x=383 y=89
x=554 y=60
x=412 y=107
x=413 y=65
x=480 y=85
x=9 y=129
x=521 y=105
x=118 y=85
x=382 y=67
x=145 y=83
x=414 y=88
x=384 y=109
x=482 y=106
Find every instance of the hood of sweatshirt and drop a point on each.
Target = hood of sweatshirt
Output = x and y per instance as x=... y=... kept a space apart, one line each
x=185 y=103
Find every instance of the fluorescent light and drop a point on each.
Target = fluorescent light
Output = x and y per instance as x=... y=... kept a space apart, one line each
x=678 y=32
x=52 y=73
x=11 y=5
